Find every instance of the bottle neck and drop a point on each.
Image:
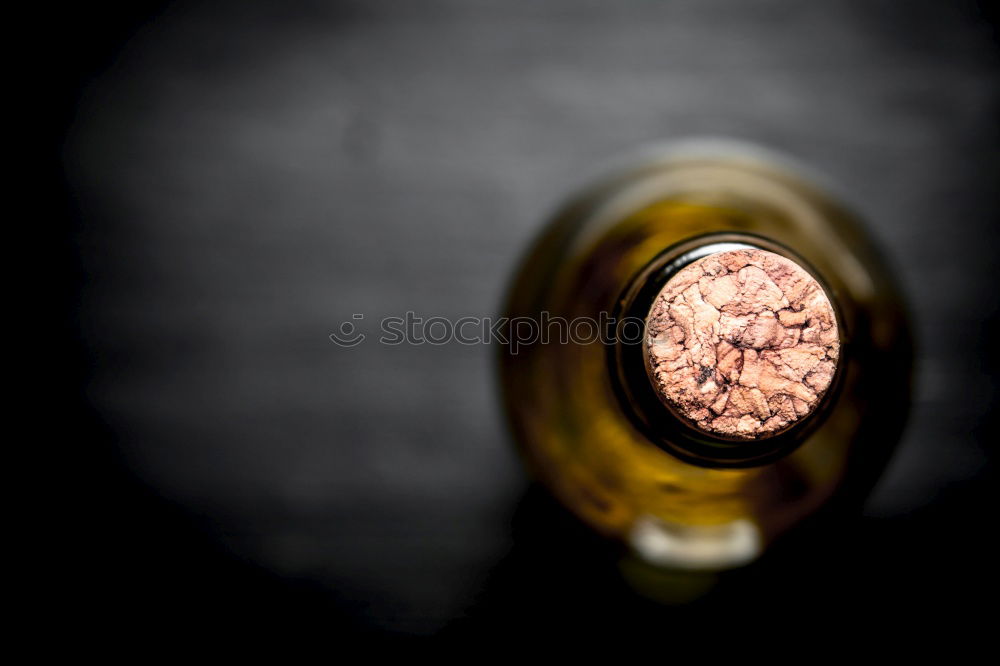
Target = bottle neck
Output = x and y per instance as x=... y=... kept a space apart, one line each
x=740 y=358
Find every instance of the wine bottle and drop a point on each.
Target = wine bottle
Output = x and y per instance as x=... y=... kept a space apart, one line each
x=704 y=350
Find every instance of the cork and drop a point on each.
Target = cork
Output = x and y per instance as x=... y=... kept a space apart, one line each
x=742 y=344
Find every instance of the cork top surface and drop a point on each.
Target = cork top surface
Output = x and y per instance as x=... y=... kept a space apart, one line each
x=742 y=344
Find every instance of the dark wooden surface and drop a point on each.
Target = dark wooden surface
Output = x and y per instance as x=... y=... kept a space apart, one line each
x=248 y=177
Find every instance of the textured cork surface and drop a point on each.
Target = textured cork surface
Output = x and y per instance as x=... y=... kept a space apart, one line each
x=742 y=343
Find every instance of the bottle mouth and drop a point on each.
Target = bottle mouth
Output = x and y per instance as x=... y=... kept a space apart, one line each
x=741 y=355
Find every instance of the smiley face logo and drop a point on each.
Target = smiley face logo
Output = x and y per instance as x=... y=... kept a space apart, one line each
x=348 y=334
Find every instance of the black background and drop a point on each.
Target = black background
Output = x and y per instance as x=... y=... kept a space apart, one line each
x=230 y=181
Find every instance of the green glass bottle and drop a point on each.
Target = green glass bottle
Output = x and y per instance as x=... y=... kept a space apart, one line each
x=586 y=410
